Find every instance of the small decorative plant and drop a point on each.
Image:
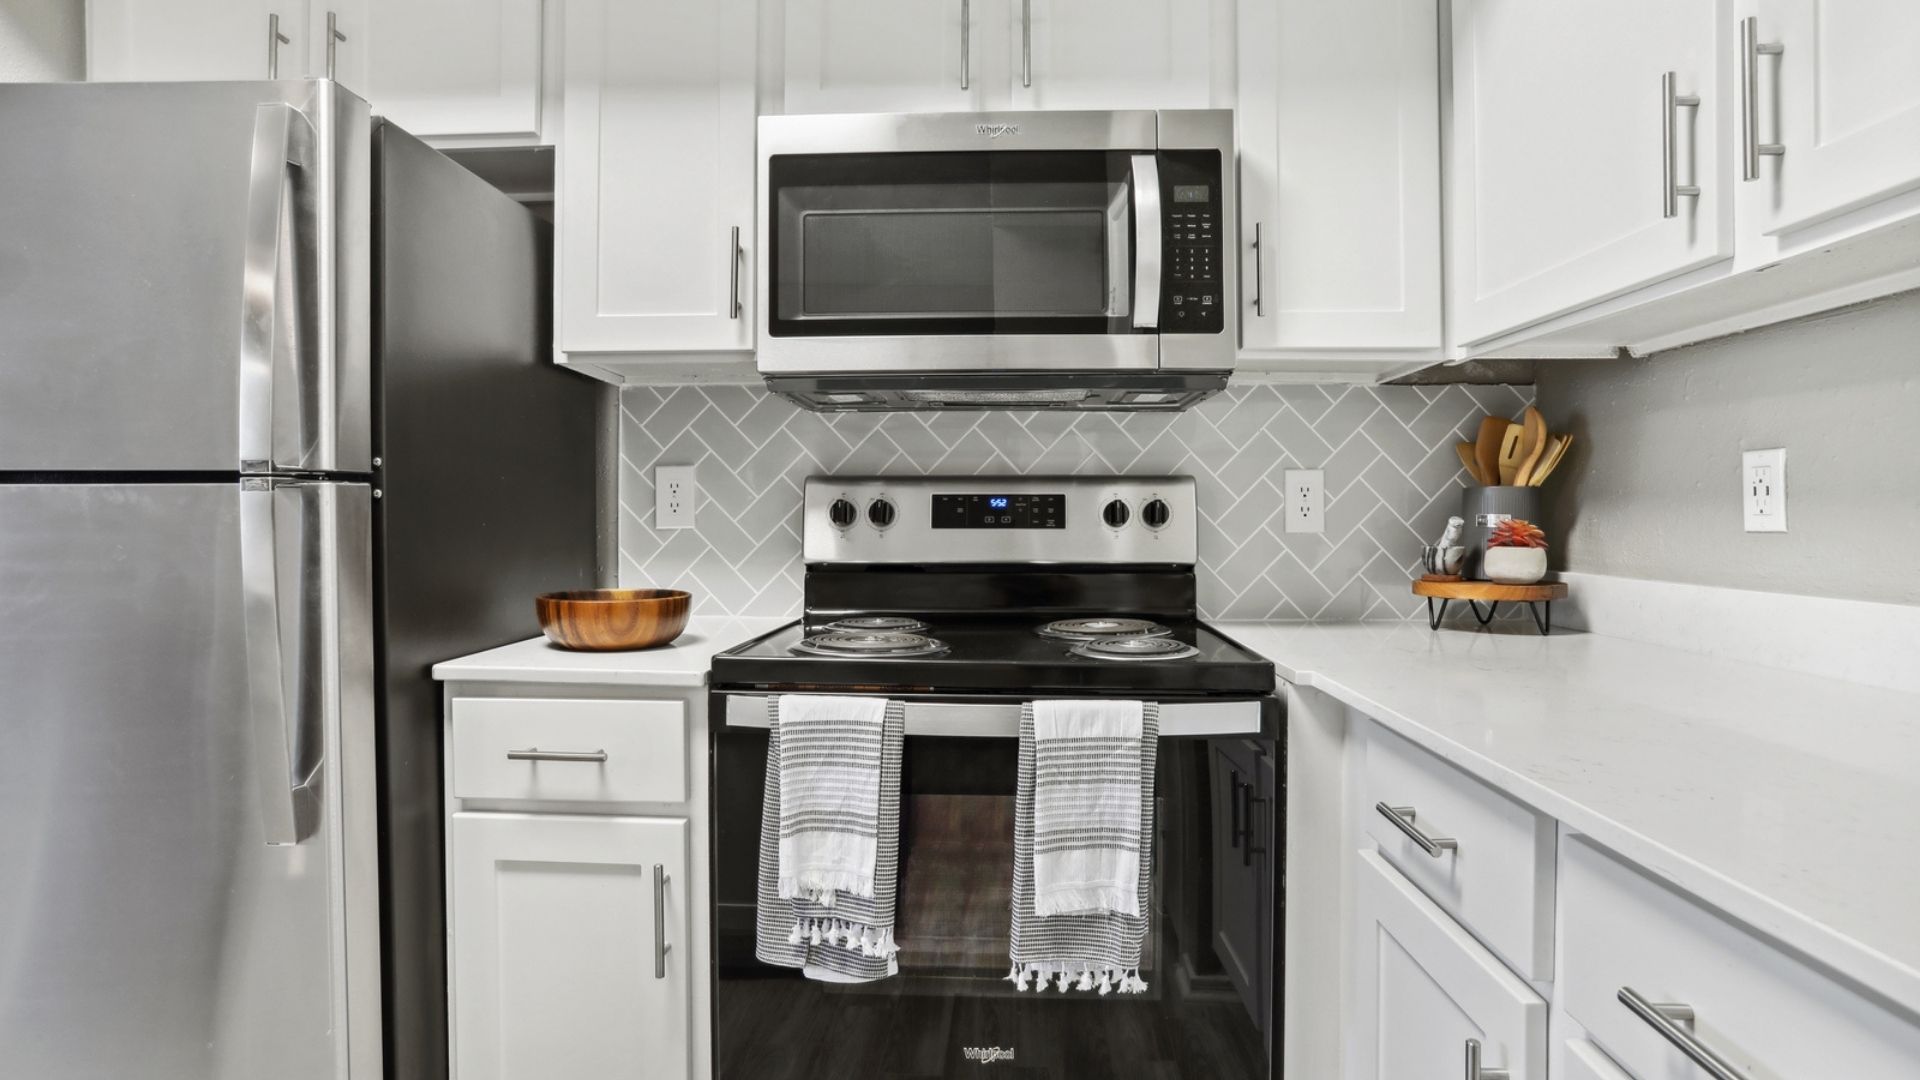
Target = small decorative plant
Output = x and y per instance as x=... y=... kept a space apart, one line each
x=1515 y=533
x=1516 y=553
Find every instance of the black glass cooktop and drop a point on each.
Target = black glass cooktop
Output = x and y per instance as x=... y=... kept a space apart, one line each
x=996 y=655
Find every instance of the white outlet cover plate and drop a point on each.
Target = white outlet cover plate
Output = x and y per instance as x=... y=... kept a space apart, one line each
x=1763 y=490
x=1306 y=501
x=675 y=496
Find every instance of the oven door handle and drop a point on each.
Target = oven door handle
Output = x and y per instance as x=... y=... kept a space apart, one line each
x=1149 y=249
x=1001 y=720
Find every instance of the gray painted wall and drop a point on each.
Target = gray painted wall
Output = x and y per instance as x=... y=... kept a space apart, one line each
x=1652 y=486
x=42 y=40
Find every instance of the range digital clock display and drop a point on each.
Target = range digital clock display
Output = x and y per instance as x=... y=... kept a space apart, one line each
x=989 y=511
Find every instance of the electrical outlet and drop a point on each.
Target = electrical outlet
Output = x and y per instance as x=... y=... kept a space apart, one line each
x=1306 y=501
x=1763 y=489
x=675 y=491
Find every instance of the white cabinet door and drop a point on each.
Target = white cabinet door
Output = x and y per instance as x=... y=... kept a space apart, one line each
x=440 y=67
x=895 y=55
x=1113 y=54
x=1559 y=189
x=1423 y=988
x=655 y=177
x=1339 y=174
x=179 y=40
x=1842 y=98
x=557 y=927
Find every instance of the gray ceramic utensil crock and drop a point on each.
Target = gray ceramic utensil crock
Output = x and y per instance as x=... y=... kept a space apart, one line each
x=1485 y=507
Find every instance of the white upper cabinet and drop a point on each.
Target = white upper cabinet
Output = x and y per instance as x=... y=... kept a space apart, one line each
x=462 y=68
x=895 y=55
x=1591 y=153
x=962 y=55
x=655 y=177
x=1113 y=54
x=1839 y=98
x=179 y=40
x=1339 y=176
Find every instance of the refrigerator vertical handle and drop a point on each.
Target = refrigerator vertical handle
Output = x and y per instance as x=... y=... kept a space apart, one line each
x=268 y=710
x=1147 y=256
x=282 y=138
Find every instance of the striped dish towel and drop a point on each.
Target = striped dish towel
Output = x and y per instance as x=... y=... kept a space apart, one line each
x=851 y=938
x=1096 y=949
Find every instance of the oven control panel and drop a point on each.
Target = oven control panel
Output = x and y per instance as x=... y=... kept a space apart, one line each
x=1193 y=230
x=1000 y=519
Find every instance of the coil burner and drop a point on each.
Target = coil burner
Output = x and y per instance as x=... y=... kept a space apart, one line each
x=900 y=624
x=870 y=644
x=1101 y=627
x=1134 y=647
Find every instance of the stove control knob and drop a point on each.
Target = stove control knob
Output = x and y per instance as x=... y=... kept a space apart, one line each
x=880 y=512
x=1116 y=513
x=1155 y=514
x=842 y=513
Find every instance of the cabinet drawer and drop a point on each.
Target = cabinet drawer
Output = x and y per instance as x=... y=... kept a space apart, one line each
x=1496 y=878
x=1766 y=1013
x=1581 y=1060
x=601 y=750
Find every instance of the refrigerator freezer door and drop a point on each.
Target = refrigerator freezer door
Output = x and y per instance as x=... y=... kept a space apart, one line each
x=184 y=277
x=150 y=925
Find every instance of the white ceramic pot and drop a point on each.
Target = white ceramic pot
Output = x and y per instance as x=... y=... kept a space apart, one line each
x=1515 y=565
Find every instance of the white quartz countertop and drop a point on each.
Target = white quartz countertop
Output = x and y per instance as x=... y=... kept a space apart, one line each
x=682 y=662
x=1790 y=801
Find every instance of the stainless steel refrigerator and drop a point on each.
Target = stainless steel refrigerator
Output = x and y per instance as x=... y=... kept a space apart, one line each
x=278 y=430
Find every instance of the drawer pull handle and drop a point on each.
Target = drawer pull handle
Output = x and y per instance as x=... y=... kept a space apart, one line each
x=1474 y=1071
x=1672 y=1022
x=534 y=753
x=1402 y=818
x=660 y=946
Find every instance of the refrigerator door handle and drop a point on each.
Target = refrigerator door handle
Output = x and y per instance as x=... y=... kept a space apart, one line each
x=283 y=138
x=281 y=788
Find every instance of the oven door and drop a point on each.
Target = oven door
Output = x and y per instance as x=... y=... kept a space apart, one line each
x=1212 y=955
x=961 y=242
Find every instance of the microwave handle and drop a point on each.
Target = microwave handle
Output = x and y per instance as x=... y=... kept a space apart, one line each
x=1147 y=236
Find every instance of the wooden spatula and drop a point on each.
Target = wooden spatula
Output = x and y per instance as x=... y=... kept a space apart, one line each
x=1486 y=448
x=1532 y=446
x=1465 y=450
x=1551 y=461
x=1510 y=444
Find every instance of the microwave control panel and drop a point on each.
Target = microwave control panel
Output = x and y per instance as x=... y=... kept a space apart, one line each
x=1193 y=232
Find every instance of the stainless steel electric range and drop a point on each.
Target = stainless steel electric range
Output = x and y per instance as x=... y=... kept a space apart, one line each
x=964 y=598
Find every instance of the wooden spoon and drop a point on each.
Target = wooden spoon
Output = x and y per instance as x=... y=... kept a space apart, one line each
x=1510 y=444
x=1535 y=444
x=1465 y=450
x=1552 y=460
x=1486 y=448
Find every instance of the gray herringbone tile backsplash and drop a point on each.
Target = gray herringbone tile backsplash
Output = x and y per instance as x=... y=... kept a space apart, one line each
x=1391 y=476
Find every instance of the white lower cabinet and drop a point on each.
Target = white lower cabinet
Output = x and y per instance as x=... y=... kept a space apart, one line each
x=569 y=947
x=1424 y=990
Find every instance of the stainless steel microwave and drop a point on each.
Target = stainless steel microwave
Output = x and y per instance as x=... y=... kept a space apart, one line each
x=1011 y=260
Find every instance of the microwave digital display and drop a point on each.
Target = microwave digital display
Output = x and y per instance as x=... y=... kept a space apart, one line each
x=1039 y=511
x=1192 y=193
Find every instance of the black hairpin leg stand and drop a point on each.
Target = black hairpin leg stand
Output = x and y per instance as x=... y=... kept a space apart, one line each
x=1541 y=610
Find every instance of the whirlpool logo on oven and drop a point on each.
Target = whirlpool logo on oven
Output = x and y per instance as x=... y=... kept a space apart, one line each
x=987 y=1055
x=994 y=131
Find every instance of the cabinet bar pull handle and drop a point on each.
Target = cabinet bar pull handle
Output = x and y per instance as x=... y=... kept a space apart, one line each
x=1751 y=50
x=1403 y=818
x=334 y=38
x=1670 y=105
x=1672 y=1021
x=1026 y=42
x=275 y=39
x=534 y=753
x=660 y=946
x=1474 y=1071
x=966 y=43
x=1247 y=850
x=1233 y=807
x=1257 y=286
x=734 y=285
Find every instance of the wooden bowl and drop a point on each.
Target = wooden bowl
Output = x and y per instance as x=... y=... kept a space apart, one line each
x=606 y=620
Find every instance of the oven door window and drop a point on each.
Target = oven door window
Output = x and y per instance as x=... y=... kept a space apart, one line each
x=1011 y=242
